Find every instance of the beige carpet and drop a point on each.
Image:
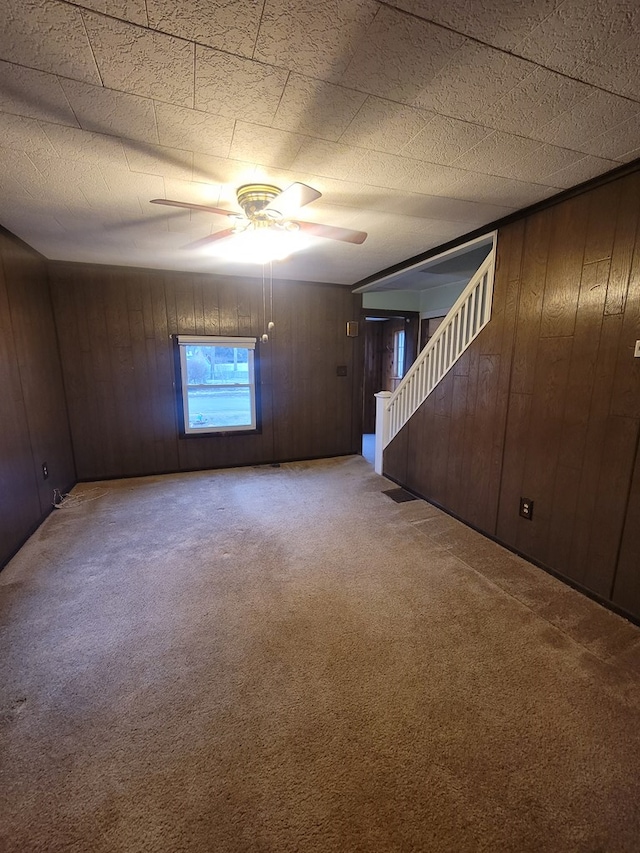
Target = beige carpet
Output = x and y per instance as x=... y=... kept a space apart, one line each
x=282 y=659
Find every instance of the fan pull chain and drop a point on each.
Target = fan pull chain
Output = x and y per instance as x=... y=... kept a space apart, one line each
x=265 y=336
x=271 y=326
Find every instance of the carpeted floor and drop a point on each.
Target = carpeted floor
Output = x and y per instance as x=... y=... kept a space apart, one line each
x=272 y=660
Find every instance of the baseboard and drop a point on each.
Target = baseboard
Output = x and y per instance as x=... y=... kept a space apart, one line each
x=605 y=602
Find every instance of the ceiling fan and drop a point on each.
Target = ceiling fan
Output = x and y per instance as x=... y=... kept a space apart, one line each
x=266 y=206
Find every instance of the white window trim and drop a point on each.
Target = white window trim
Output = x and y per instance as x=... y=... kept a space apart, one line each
x=220 y=341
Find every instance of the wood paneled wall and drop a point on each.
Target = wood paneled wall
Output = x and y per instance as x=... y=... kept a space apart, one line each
x=33 y=417
x=115 y=326
x=372 y=375
x=546 y=402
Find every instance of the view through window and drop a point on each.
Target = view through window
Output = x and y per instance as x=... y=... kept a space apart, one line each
x=218 y=384
x=398 y=354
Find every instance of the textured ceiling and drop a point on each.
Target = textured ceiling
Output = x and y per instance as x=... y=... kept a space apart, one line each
x=418 y=120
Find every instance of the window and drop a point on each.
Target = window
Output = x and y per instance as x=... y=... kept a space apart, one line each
x=217 y=379
x=398 y=354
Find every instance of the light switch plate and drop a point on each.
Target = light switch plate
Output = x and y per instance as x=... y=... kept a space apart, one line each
x=637 y=352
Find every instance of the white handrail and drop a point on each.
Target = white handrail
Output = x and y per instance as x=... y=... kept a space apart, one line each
x=464 y=322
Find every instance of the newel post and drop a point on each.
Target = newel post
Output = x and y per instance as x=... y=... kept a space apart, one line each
x=382 y=427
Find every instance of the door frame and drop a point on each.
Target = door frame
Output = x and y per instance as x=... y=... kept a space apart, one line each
x=412 y=331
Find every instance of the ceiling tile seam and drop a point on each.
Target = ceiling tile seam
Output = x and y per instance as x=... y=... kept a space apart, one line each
x=44 y=123
x=539 y=145
x=77 y=126
x=40 y=123
x=155 y=121
x=258 y=28
x=558 y=172
x=362 y=39
x=505 y=95
x=194 y=42
x=603 y=59
x=490 y=130
x=415 y=136
x=587 y=64
x=154 y=31
x=540 y=23
x=95 y=61
x=69 y=104
x=502 y=178
x=227 y=156
x=275 y=112
x=95 y=86
x=588 y=139
x=195 y=77
x=417 y=164
x=353 y=118
x=233 y=136
x=502 y=50
x=391 y=100
x=289 y=72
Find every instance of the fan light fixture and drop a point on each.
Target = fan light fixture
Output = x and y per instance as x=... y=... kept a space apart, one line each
x=260 y=245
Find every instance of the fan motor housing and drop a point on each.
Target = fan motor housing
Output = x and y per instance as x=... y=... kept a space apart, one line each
x=255 y=198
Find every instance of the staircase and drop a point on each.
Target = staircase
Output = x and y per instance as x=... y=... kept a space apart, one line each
x=462 y=325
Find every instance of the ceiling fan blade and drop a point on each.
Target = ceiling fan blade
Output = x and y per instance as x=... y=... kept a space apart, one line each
x=210 y=238
x=142 y=221
x=293 y=198
x=346 y=235
x=189 y=206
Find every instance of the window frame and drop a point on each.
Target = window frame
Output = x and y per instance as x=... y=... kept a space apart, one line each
x=181 y=342
x=398 y=367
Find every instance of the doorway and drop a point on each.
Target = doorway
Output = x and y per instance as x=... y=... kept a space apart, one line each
x=390 y=348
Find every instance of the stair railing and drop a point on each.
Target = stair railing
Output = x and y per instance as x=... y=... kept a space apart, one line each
x=464 y=322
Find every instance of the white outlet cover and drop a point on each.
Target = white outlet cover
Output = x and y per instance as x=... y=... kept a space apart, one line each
x=637 y=352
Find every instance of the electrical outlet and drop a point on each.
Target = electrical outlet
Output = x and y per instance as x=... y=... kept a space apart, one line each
x=45 y=470
x=526 y=508
x=636 y=353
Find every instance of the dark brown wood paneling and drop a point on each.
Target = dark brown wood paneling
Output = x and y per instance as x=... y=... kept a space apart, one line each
x=455 y=458
x=610 y=505
x=586 y=527
x=123 y=408
x=33 y=415
x=21 y=504
x=604 y=208
x=372 y=332
x=564 y=266
x=555 y=364
x=395 y=454
x=584 y=358
x=513 y=467
x=534 y=271
x=626 y=590
x=624 y=245
x=542 y=445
